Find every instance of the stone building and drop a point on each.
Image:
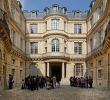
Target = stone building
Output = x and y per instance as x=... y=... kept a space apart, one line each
x=98 y=43
x=12 y=41
x=55 y=42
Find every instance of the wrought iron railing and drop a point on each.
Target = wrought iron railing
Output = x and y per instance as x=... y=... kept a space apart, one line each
x=108 y=27
x=3 y=20
x=95 y=50
x=56 y=54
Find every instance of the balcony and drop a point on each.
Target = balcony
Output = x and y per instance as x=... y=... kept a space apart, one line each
x=3 y=22
x=56 y=55
x=18 y=50
x=107 y=31
x=96 y=50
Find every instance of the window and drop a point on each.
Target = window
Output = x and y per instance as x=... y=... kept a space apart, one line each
x=21 y=43
x=100 y=73
x=91 y=44
x=33 y=14
x=13 y=37
x=46 y=26
x=55 y=45
x=100 y=34
x=21 y=64
x=55 y=9
x=91 y=21
x=78 y=47
x=78 y=70
x=33 y=28
x=64 y=49
x=64 y=26
x=13 y=61
x=45 y=49
x=77 y=28
x=12 y=10
x=34 y=47
x=100 y=62
x=100 y=10
x=55 y=24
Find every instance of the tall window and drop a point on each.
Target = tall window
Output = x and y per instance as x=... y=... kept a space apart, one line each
x=33 y=28
x=13 y=37
x=91 y=44
x=91 y=21
x=78 y=47
x=100 y=34
x=100 y=9
x=34 y=47
x=78 y=69
x=64 y=26
x=12 y=11
x=46 y=26
x=100 y=73
x=78 y=28
x=55 y=45
x=21 y=43
x=55 y=24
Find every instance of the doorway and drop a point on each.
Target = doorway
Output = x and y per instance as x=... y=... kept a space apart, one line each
x=56 y=69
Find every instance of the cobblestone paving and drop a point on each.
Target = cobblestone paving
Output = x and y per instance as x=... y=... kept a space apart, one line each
x=63 y=93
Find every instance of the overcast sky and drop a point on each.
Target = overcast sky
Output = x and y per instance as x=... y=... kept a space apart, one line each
x=82 y=5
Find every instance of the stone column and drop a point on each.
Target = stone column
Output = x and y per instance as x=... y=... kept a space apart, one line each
x=62 y=70
x=47 y=68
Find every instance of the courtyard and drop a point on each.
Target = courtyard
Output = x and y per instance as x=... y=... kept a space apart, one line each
x=62 y=93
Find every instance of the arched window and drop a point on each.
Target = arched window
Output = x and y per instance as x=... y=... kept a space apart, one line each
x=55 y=45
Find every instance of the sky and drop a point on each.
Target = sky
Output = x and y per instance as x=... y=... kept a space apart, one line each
x=29 y=5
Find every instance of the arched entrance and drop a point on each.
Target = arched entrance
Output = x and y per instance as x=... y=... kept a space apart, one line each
x=55 y=69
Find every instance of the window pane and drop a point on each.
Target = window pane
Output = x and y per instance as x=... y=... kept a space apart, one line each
x=33 y=28
x=77 y=28
x=55 y=45
x=55 y=24
x=34 y=47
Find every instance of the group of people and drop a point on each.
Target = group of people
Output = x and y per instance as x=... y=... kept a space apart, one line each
x=36 y=82
x=81 y=82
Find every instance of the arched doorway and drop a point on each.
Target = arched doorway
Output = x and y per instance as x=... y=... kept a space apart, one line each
x=56 y=69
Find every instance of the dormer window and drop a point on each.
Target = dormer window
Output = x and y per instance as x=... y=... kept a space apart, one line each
x=55 y=7
x=33 y=14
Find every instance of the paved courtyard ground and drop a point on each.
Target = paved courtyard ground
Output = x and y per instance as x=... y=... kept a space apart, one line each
x=63 y=93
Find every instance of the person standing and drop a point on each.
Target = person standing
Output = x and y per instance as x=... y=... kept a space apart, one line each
x=10 y=81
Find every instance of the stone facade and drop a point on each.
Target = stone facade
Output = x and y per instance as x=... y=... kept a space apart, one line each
x=55 y=42
x=98 y=56
x=12 y=42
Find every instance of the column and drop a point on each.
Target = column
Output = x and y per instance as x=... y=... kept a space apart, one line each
x=62 y=70
x=47 y=68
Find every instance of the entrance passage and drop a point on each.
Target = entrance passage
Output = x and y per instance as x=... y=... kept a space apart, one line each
x=56 y=69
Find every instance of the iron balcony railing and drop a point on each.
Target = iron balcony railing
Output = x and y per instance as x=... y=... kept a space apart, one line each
x=108 y=27
x=56 y=54
x=3 y=21
x=15 y=48
x=95 y=50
